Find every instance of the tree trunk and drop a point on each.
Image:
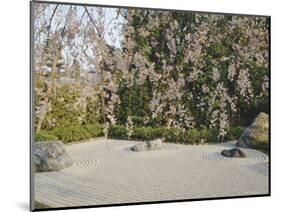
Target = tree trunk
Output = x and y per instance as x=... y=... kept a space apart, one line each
x=102 y=99
x=42 y=114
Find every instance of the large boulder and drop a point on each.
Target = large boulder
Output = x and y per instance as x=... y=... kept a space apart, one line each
x=257 y=134
x=233 y=153
x=152 y=145
x=50 y=156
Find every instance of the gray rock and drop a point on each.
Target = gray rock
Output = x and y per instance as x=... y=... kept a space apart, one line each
x=50 y=156
x=257 y=134
x=152 y=145
x=139 y=147
x=233 y=153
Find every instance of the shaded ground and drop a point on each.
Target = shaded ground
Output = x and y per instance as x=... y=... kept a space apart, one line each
x=39 y=205
x=107 y=172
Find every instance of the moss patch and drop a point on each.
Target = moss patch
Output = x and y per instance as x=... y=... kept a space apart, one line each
x=40 y=205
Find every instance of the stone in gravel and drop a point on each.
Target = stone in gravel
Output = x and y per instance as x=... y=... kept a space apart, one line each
x=156 y=144
x=50 y=156
x=233 y=153
x=257 y=134
x=152 y=145
x=139 y=147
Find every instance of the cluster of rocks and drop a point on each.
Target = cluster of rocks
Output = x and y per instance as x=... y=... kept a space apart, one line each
x=50 y=156
x=152 y=145
x=254 y=136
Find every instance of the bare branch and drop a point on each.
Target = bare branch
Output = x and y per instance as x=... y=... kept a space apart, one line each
x=82 y=17
x=93 y=22
x=50 y=22
x=113 y=19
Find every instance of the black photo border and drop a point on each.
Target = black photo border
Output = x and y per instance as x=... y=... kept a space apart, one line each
x=31 y=108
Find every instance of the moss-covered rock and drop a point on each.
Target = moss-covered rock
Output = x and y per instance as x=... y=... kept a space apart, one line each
x=257 y=134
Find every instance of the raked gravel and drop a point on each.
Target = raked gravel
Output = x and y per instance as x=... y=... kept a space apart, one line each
x=108 y=172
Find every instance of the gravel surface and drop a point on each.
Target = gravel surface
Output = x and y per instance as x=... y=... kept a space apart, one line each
x=108 y=172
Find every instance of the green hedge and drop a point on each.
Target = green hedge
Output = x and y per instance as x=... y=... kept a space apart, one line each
x=72 y=133
x=174 y=135
x=234 y=133
x=146 y=133
x=117 y=132
x=45 y=136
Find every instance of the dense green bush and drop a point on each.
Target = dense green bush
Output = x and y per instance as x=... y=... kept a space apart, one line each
x=234 y=133
x=77 y=133
x=139 y=133
x=67 y=134
x=117 y=132
x=65 y=108
x=45 y=136
x=72 y=133
x=174 y=135
x=147 y=133
x=195 y=136
x=138 y=120
x=192 y=136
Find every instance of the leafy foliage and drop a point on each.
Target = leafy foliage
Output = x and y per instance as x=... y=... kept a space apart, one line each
x=45 y=136
x=71 y=133
x=186 y=76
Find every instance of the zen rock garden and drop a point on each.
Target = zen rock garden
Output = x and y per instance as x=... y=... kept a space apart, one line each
x=52 y=155
x=87 y=173
x=148 y=105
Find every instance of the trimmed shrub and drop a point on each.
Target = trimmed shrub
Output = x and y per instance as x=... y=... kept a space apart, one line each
x=138 y=120
x=234 y=133
x=95 y=130
x=44 y=136
x=78 y=133
x=117 y=132
x=213 y=135
x=173 y=135
x=144 y=133
x=195 y=136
